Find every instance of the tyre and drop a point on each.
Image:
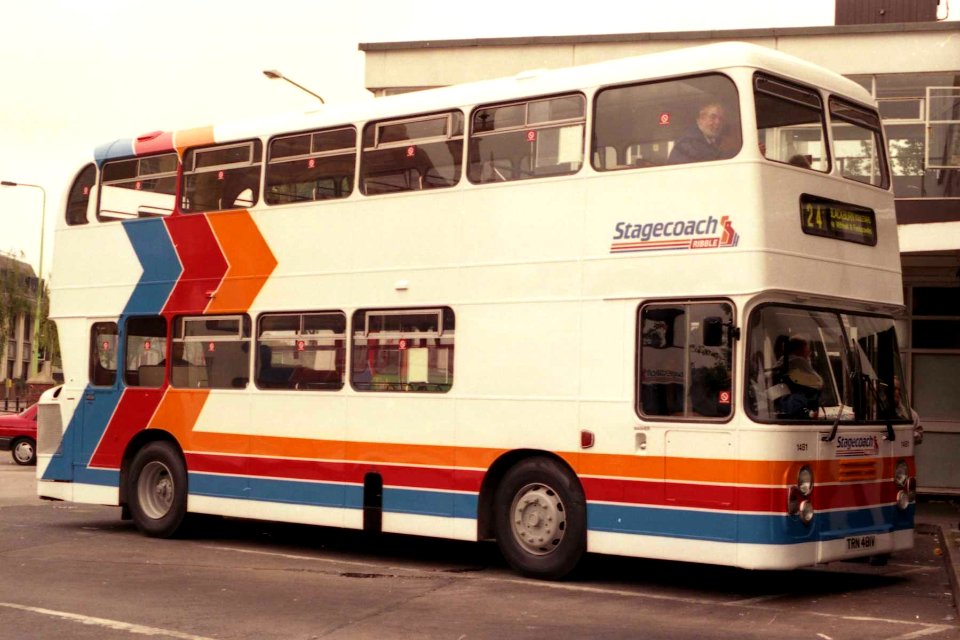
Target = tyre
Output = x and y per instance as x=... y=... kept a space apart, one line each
x=540 y=517
x=24 y=451
x=157 y=490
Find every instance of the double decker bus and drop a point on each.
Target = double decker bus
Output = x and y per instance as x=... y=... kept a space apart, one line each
x=642 y=307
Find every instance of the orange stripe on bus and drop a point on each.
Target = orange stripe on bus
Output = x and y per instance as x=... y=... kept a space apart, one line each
x=192 y=138
x=180 y=409
x=249 y=258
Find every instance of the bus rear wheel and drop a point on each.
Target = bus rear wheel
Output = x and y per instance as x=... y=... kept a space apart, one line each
x=157 y=490
x=541 y=519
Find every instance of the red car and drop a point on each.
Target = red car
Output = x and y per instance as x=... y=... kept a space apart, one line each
x=18 y=434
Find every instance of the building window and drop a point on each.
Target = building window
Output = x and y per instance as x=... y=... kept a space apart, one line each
x=103 y=354
x=304 y=351
x=145 y=351
x=907 y=111
x=685 y=360
x=402 y=350
x=222 y=177
x=211 y=352
x=669 y=122
x=529 y=139
x=138 y=187
x=935 y=351
x=412 y=154
x=311 y=166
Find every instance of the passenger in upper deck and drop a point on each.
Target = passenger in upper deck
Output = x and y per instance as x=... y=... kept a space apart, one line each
x=704 y=140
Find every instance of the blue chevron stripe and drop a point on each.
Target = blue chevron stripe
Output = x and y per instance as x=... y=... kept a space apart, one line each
x=161 y=266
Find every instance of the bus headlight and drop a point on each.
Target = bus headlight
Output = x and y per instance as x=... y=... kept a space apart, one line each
x=903 y=500
x=798 y=503
x=805 y=481
x=901 y=473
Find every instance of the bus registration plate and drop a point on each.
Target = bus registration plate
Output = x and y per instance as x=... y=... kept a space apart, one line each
x=860 y=543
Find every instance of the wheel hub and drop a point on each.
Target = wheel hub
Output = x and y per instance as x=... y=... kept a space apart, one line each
x=539 y=519
x=155 y=490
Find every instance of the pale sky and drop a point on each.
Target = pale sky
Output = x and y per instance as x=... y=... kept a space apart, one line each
x=76 y=74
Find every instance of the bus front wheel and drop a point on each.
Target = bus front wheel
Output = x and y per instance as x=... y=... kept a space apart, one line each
x=157 y=492
x=541 y=519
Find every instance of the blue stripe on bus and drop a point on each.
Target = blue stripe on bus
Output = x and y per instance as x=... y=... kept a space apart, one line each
x=674 y=523
x=325 y=494
x=745 y=528
x=117 y=149
x=161 y=266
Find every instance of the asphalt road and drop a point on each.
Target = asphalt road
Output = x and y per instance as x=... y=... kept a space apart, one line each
x=78 y=571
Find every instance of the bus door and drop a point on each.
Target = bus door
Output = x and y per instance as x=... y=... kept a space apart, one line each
x=101 y=395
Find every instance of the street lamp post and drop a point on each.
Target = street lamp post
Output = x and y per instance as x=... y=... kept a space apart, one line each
x=273 y=74
x=35 y=351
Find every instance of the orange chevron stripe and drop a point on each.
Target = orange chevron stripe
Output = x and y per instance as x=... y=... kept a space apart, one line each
x=178 y=413
x=249 y=258
x=192 y=138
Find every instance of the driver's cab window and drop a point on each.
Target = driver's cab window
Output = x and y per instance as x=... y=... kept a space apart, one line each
x=685 y=360
x=812 y=365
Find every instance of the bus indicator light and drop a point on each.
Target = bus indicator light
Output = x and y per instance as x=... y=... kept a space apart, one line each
x=664 y=119
x=531 y=136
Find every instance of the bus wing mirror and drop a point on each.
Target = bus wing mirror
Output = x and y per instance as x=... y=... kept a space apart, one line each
x=713 y=331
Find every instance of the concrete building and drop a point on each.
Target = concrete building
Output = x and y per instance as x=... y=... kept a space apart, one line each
x=19 y=279
x=912 y=68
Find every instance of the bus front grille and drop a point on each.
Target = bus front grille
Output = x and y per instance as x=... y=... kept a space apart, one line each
x=854 y=470
x=49 y=429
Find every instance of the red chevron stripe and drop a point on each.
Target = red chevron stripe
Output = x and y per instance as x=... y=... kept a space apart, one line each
x=204 y=265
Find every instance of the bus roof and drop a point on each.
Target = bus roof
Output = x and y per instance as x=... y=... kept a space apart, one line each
x=724 y=55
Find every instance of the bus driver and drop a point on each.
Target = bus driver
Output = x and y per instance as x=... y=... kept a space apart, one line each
x=804 y=382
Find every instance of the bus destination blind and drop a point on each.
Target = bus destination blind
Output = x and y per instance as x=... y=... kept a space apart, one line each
x=837 y=220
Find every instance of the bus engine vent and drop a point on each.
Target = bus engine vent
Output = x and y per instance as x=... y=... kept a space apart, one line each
x=856 y=470
x=49 y=429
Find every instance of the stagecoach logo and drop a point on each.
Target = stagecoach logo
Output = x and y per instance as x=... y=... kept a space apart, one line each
x=705 y=233
x=857 y=446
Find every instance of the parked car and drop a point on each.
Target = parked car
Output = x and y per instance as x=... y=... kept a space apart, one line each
x=18 y=434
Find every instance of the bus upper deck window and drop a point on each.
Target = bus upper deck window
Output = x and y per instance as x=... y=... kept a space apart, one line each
x=858 y=143
x=311 y=166
x=412 y=154
x=530 y=139
x=220 y=178
x=79 y=196
x=141 y=187
x=676 y=121
x=790 y=123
